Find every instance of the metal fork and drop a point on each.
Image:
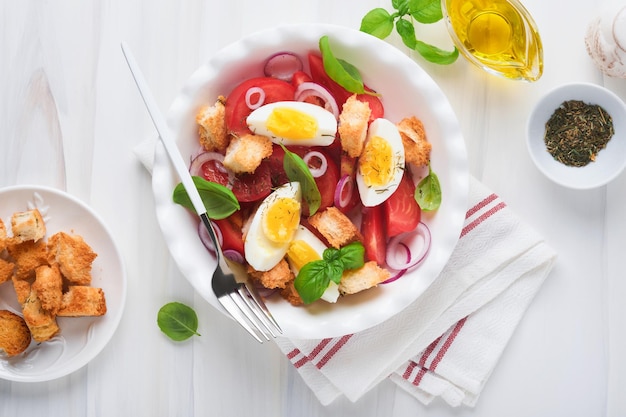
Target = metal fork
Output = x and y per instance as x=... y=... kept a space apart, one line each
x=238 y=297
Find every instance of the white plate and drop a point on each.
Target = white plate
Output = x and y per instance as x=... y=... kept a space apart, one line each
x=80 y=338
x=406 y=90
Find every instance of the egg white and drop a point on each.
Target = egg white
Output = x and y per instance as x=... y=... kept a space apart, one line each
x=375 y=195
x=326 y=123
x=260 y=252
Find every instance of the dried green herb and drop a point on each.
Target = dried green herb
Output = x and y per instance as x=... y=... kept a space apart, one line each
x=577 y=131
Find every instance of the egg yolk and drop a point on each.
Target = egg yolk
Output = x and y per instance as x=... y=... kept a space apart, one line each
x=376 y=162
x=301 y=253
x=281 y=220
x=291 y=123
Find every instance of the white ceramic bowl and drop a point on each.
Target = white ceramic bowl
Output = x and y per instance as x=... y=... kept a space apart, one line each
x=609 y=162
x=406 y=90
x=80 y=338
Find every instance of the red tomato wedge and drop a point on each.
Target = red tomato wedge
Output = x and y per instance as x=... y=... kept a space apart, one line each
x=318 y=74
x=236 y=108
x=245 y=187
x=401 y=211
x=231 y=235
x=373 y=231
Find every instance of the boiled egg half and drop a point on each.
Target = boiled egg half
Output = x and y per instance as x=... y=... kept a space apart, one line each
x=381 y=164
x=304 y=248
x=294 y=123
x=273 y=227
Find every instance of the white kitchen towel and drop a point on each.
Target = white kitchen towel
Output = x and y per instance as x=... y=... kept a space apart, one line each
x=447 y=343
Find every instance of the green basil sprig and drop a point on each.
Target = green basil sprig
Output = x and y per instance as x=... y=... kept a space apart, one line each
x=219 y=201
x=380 y=23
x=342 y=72
x=428 y=192
x=178 y=321
x=314 y=277
x=298 y=171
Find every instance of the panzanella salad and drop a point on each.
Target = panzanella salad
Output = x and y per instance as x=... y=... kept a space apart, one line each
x=308 y=184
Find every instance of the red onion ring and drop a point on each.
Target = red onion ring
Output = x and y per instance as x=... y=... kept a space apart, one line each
x=205 y=238
x=282 y=66
x=396 y=275
x=316 y=172
x=196 y=166
x=416 y=244
x=344 y=186
x=310 y=89
x=234 y=256
x=252 y=91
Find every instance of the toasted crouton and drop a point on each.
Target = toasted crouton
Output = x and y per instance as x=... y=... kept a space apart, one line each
x=416 y=146
x=49 y=286
x=368 y=276
x=83 y=301
x=42 y=324
x=27 y=225
x=4 y=240
x=353 y=122
x=73 y=255
x=290 y=294
x=14 y=333
x=245 y=153
x=27 y=256
x=212 y=126
x=335 y=227
x=22 y=289
x=6 y=270
x=277 y=277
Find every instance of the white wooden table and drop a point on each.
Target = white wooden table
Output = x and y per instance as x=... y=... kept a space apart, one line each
x=70 y=117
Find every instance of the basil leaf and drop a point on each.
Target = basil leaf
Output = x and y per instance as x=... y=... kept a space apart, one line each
x=298 y=171
x=435 y=55
x=402 y=6
x=335 y=70
x=428 y=192
x=312 y=281
x=426 y=11
x=178 y=321
x=219 y=201
x=377 y=22
x=406 y=30
x=352 y=255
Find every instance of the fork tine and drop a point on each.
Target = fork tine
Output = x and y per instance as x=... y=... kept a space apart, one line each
x=257 y=310
x=235 y=311
x=249 y=313
x=258 y=306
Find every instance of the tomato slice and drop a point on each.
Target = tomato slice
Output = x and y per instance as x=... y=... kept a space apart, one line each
x=245 y=187
x=318 y=74
x=236 y=108
x=373 y=231
x=232 y=237
x=300 y=77
x=276 y=165
x=402 y=212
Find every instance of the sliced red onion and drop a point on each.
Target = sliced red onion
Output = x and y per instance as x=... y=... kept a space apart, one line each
x=395 y=275
x=310 y=89
x=234 y=256
x=344 y=191
x=321 y=170
x=282 y=66
x=416 y=244
x=206 y=238
x=196 y=165
x=252 y=91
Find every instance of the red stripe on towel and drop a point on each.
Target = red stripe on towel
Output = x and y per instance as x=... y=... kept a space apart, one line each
x=471 y=226
x=293 y=353
x=329 y=355
x=480 y=205
x=446 y=345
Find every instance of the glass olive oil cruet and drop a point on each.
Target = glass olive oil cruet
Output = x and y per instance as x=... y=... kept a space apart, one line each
x=499 y=36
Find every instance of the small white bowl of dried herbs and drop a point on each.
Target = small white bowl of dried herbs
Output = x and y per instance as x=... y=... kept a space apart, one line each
x=576 y=135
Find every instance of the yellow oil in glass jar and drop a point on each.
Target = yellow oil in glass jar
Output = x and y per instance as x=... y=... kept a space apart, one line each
x=499 y=36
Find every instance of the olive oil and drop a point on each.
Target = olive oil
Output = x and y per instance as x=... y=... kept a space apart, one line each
x=499 y=36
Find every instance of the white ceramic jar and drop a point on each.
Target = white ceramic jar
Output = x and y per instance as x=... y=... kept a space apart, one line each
x=606 y=41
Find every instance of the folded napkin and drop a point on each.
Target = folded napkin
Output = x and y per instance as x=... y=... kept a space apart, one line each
x=448 y=341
